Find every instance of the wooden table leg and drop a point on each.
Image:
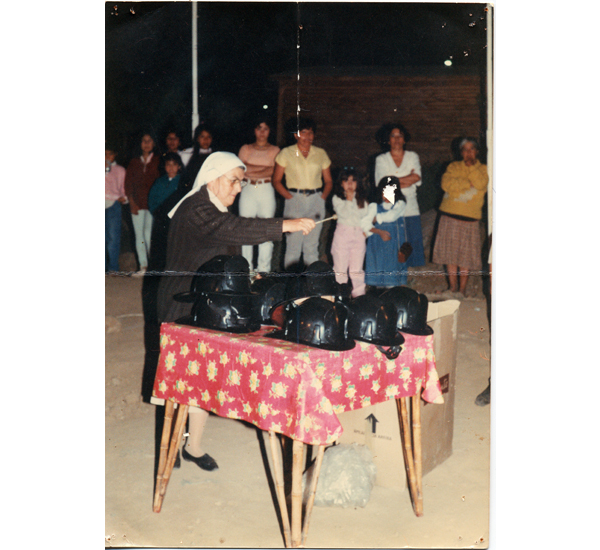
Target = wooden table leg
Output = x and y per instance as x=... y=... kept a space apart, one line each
x=312 y=493
x=297 y=454
x=164 y=446
x=182 y=412
x=297 y=534
x=278 y=473
x=407 y=448
x=416 y=425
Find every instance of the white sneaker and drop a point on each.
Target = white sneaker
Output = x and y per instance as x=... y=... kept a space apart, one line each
x=141 y=272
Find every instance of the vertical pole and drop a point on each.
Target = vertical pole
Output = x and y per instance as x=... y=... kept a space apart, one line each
x=490 y=115
x=195 y=114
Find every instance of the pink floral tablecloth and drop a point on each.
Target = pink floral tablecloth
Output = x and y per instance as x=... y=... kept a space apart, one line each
x=289 y=388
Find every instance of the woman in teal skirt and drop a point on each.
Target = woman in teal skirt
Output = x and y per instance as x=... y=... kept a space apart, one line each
x=384 y=227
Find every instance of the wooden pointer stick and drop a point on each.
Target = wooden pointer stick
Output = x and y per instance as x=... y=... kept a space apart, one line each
x=334 y=217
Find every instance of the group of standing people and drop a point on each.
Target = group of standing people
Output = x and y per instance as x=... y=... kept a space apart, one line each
x=386 y=233
x=371 y=225
x=150 y=182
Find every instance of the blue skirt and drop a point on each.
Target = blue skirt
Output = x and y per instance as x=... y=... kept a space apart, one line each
x=415 y=238
x=382 y=267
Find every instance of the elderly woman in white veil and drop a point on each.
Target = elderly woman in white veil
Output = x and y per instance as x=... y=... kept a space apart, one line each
x=202 y=228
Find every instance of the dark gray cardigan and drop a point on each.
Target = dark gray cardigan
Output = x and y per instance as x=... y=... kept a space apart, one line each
x=198 y=232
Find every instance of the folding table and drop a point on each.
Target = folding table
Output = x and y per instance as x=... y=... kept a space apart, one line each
x=290 y=389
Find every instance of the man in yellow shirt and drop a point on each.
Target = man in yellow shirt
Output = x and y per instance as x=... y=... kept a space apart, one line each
x=308 y=184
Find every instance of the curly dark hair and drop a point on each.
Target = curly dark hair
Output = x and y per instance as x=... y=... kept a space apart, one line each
x=258 y=119
x=383 y=135
x=255 y=122
x=361 y=186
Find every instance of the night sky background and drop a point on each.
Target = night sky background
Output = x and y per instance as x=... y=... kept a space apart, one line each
x=148 y=56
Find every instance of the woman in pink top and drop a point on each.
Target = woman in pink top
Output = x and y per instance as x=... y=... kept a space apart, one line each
x=257 y=199
x=114 y=196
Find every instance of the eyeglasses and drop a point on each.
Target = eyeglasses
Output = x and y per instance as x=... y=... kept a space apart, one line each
x=233 y=181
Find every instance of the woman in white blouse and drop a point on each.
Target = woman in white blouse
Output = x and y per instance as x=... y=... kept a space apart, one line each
x=404 y=165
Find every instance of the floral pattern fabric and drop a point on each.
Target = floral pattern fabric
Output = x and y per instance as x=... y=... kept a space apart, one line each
x=288 y=388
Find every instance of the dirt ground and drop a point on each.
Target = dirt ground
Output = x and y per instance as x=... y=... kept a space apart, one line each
x=234 y=506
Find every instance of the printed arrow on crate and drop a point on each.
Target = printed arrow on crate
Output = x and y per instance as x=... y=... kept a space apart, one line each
x=373 y=421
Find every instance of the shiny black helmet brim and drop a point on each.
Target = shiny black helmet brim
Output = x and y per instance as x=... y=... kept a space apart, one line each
x=190 y=321
x=397 y=340
x=343 y=346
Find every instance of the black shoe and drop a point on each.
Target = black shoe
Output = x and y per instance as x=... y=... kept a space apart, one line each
x=206 y=462
x=483 y=398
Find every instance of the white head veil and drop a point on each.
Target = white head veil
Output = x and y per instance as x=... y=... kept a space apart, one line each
x=214 y=167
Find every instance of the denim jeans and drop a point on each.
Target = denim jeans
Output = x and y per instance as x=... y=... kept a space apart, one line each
x=112 y=237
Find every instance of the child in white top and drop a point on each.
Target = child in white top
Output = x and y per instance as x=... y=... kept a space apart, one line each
x=348 y=246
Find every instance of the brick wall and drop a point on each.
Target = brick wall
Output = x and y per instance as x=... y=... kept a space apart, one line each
x=349 y=108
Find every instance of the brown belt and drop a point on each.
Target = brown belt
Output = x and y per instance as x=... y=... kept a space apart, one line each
x=259 y=181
